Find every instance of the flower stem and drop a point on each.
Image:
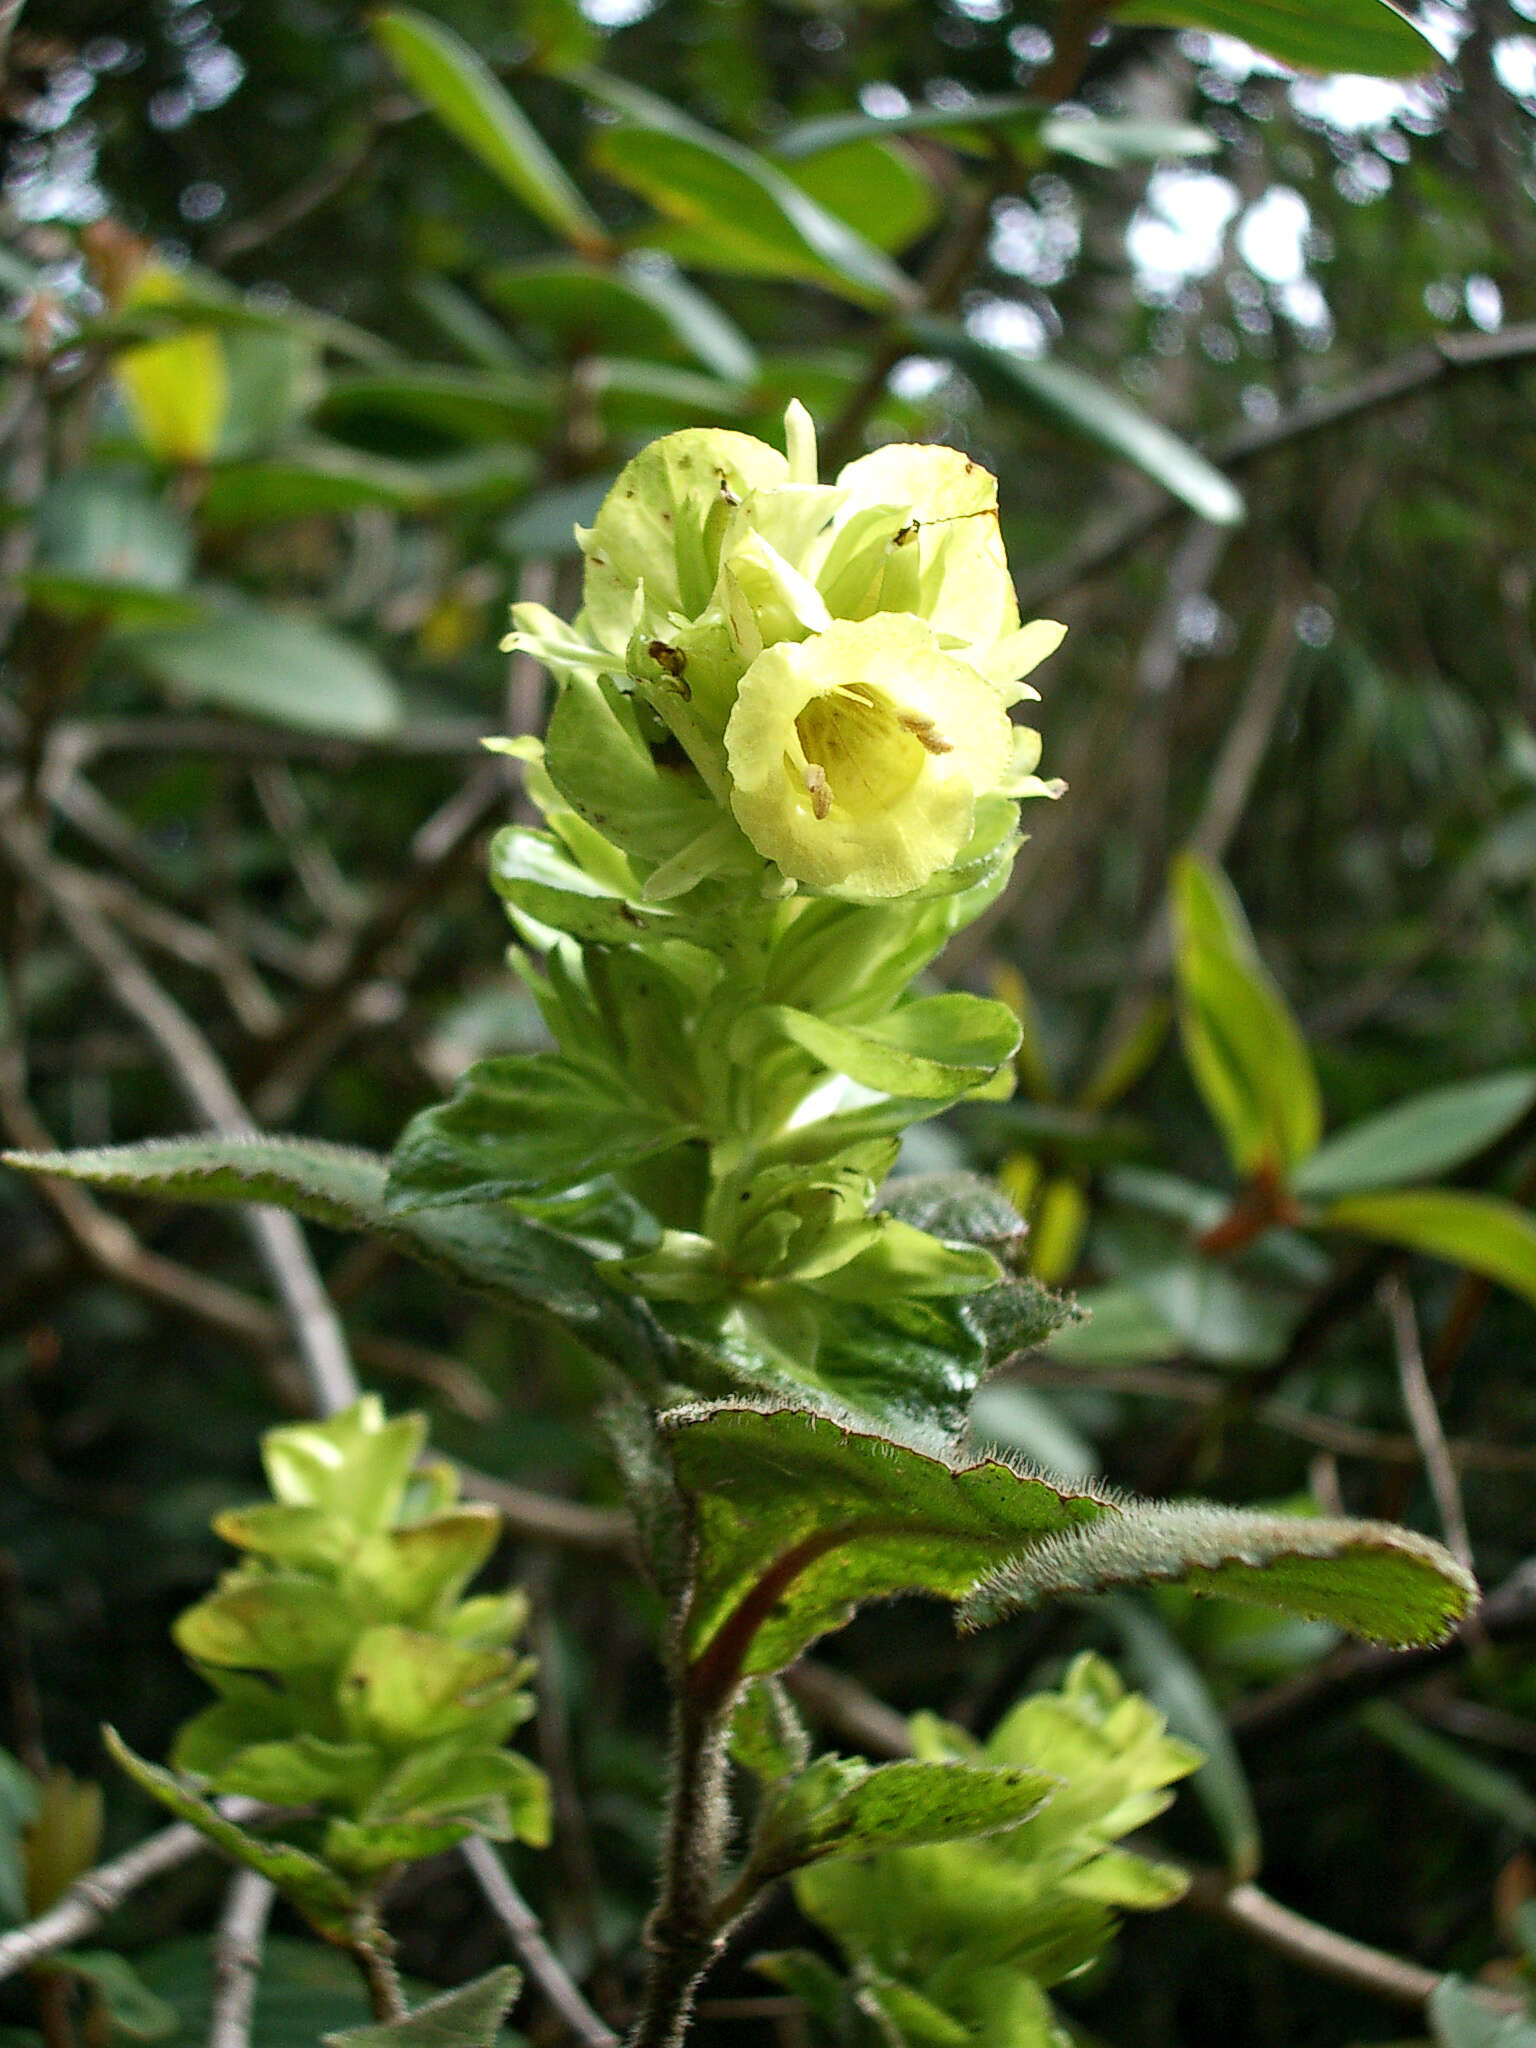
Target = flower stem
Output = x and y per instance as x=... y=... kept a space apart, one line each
x=683 y=1934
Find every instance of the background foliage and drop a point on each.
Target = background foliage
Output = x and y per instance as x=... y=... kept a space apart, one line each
x=256 y=585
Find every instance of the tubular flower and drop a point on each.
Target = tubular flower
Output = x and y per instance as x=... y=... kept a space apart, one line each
x=856 y=756
x=836 y=660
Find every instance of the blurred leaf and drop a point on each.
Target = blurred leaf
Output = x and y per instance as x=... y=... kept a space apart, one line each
x=177 y=394
x=1109 y=142
x=1128 y=1059
x=106 y=526
x=635 y=308
x=319 y=1894
x=318 y=478
x=880 y=190
x=1217 y=1313
x=1426 y=1135
x=133 y=2012
x=18 y=1804
x=466 y=96
x=1113 y=143
x=1087 y=409
x=1245 y=1049
x=270 y=665
x=836 y=1807
x=1347 y=35
x=1020 y=1420
x=305 y=1987
x=1480 y=1232
x=1057 y=1230
x=63 y=1838
x=466 y=2018
x=1388 y=1584
x=1170 y=1678
x=1120 y=1327
x=732 y=209
x=798 y=1518
x=1462 y=2018
x=545 y=522
x=428 y=410
x=1477 y=1784
x=509 y=1256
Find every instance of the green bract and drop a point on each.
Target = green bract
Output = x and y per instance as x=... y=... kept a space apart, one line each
x=835 y=661
x=353 y=1675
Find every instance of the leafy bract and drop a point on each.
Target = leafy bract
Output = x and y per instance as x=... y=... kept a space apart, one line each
x=798 y=1517
x=1372 y=1578
x=1428 y=1134
x=467 y=97
x=1483 y=1233
x=468 y=2017
x=1244 y=1047
x=492 y=1249
x=837 y=1807
x=938 y=1047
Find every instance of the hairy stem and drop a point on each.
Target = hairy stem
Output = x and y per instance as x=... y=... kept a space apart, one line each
x=684 y=1930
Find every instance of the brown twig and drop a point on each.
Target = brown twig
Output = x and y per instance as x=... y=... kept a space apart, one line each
x=1424 y=1419
x=527 y=1939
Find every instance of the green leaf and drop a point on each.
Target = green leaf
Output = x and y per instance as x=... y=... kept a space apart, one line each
x=733 y=209
x=315 y=479
x=305 y=1988
x=1173 y=1682
x=799 y=1517
x=533 y=873
x=18 y=1807
x=354 y=1466
x=319 y=1894
x=470 y=101
x=1088 y=410
x=881 y=191
x=282 y=1621
x=1110 y=143
x=427 y=410
x=525 y=1124
x=938 y=1047
x=515 y=1260
x=133 y=2011
x=1245 y=1049
x=1119 y=1326
x=840 y=1808
x=1428 y=1134
x=1116 y=142
x=1388 y=1584
x=1018 y=1420
x=1345 y=35
x=467 y=2018
x=402 y=1688
x=1480 y=1232
x=273 y=665
x=107 y=528
x=498 y=1791
x=633 y=309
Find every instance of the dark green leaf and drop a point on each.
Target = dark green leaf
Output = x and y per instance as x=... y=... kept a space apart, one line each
x=798 y=1518
x=273 y=665
x=305 y=1988
x=493 y=1249
x=633 y=309
x=133 y=2011
x=466 y=2018
x=1375 y=1580
x=1346 y=35
x=1476 y=1783
x=768 y=1737
x=878 y=188
x=1428 y=1134
x=1088 y=410
x=470 y=101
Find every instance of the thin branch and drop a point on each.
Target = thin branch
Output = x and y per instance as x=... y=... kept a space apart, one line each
x=848 y=1708
x=237 y=1947
x=209 y=1093
x=1415 y=370
x=1424 y=1419
x=1316 y=1948
x=101 y=1891
x=527 y=1939
x=545 y=1518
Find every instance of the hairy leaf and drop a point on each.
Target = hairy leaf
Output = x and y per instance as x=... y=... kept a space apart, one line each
x=842 y=1808
x=1388 y=1584
x=469 y=2017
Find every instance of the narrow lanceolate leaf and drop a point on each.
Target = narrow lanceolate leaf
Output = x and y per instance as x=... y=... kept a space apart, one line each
x=489 y=1248
x=469 y=2017
x=1110 y=143
x=1089 y=411
x=1245 y=1049
x=470 y=101
x=320 y=1895
x=1388 y=1584
x=798 y=1517
x=1429 y=1134
x=1478 y=1784
x=842 y=1808
x=1347 y=35
x=1480 y=1232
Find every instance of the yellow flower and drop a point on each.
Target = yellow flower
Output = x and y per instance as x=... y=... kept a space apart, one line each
x=857 y=755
